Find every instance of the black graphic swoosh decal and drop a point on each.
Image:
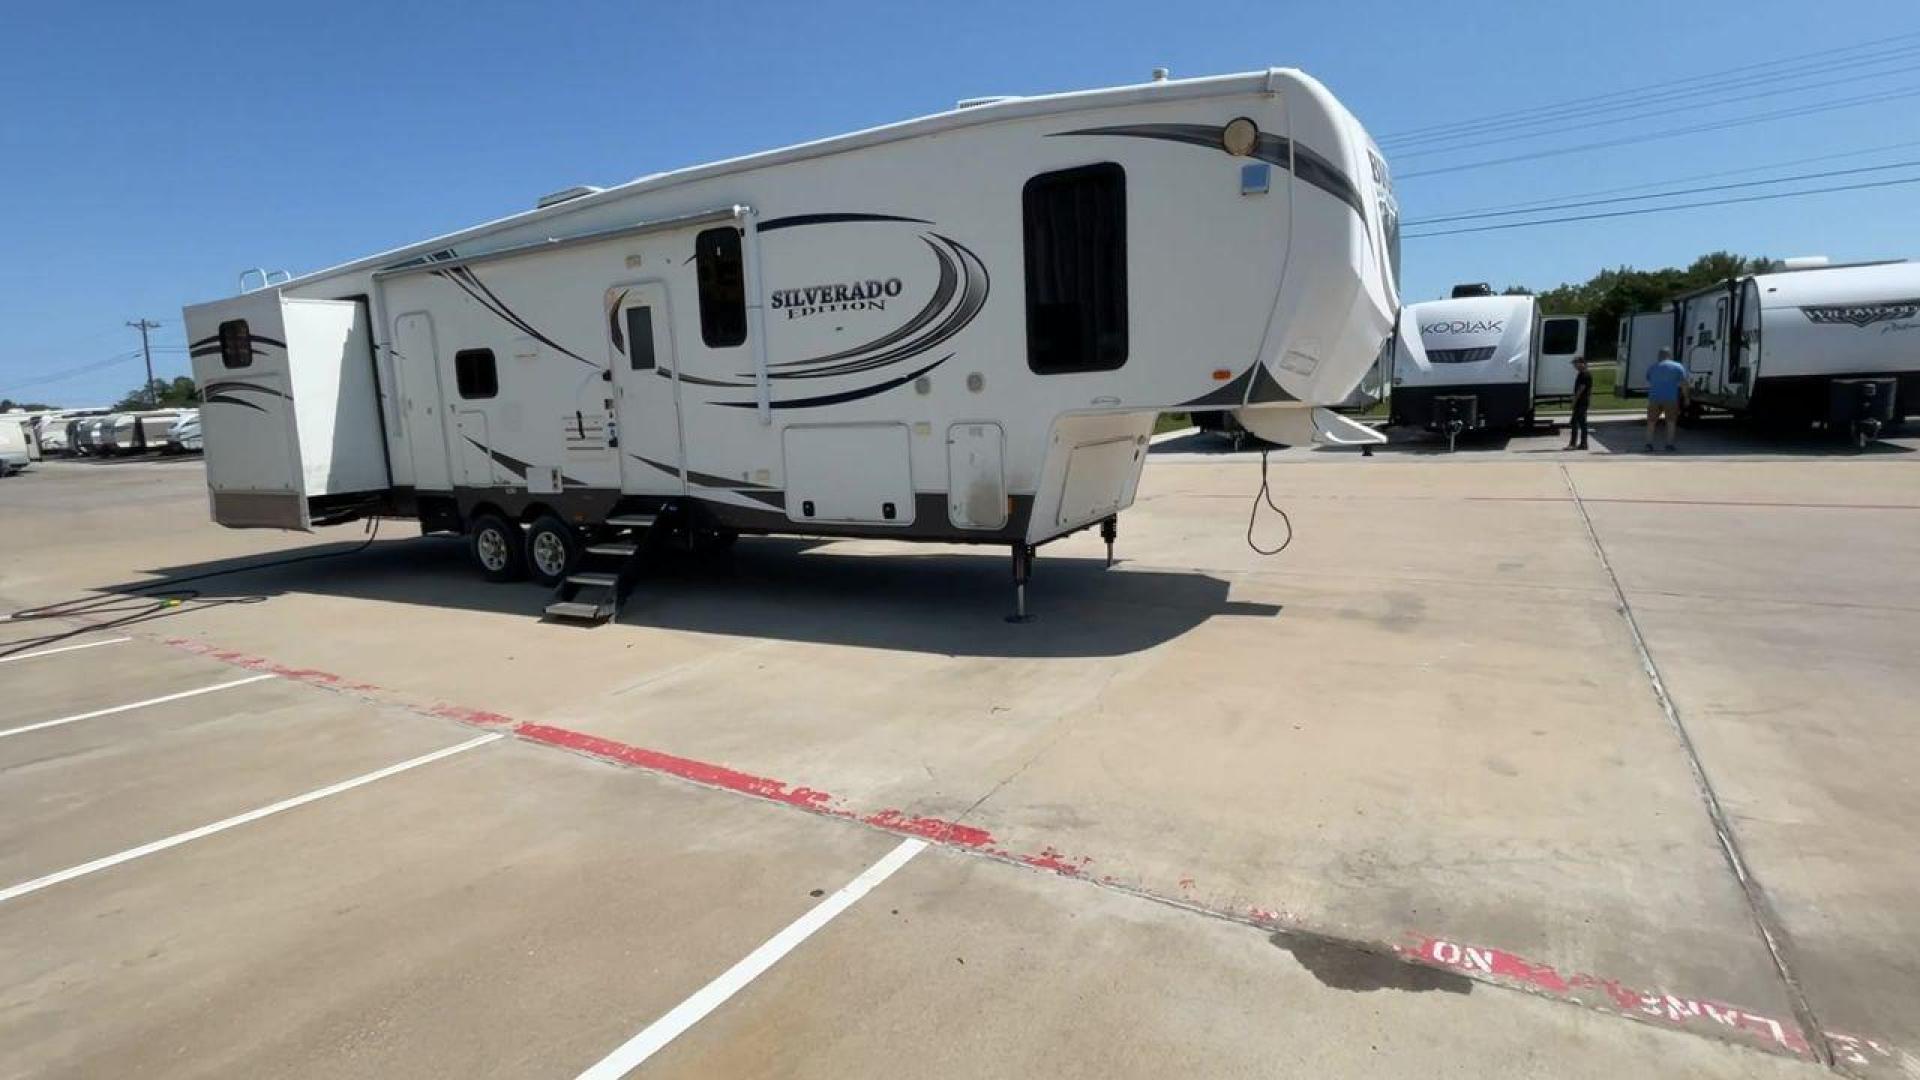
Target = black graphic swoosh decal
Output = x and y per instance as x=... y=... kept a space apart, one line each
x=844 y=396
x=470 y=283
x=797 y=220
x=973 y=297
x=222 y=399
x=613 y=322
x=214 y=339
x=1311 y=167
x=703 y=479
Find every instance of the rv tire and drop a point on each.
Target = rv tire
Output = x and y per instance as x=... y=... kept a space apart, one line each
x=498 y=547
x=552 y=550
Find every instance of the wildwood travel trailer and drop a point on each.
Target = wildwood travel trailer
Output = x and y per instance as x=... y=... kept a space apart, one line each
x=958 y=328
x=1831 y=344
x=1476 y=360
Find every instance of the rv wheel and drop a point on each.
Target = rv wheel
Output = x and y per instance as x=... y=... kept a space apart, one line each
x=498 y=548
x=552 y=549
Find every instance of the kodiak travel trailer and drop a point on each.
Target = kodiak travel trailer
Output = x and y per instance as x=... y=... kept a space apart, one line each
x=958 y=328
x=1476 y=360
x=1837 y=345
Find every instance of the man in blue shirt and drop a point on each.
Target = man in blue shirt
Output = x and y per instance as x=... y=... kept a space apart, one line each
x=1667 y=391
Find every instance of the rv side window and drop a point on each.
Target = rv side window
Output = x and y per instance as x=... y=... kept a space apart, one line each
x=1076 y=260
x=474 y=374
x=236 y=344
x=723 y=287
x=640 y=338
x=1559 y=336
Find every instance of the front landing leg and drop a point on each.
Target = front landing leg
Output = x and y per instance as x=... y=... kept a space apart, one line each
x=1109 y=531
x=1022 y=570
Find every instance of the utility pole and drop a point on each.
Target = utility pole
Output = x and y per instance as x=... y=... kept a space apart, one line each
x=143 y=326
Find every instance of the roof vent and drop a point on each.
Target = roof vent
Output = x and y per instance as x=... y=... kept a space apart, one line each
x=555 y=198
x=1478 y=288
x=1161 y=74
x=991 y=99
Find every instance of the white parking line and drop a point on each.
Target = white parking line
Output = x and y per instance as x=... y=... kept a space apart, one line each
x=135 y=705
x=61 y=649
x=224 y=824
x=711 y=996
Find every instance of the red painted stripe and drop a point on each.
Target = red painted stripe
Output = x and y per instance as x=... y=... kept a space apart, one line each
x=1482 y=963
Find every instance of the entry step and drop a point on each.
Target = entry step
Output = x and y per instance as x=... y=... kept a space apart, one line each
x=573 y=609
x=586 y=578
x=632 y=521
x=621 y=548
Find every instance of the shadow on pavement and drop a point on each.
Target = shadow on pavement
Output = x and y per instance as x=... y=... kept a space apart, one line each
x=779 y=588
x=1728 y=436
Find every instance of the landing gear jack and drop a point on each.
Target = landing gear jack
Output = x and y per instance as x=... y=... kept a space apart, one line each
x=1109 y=531
x=1022 y=570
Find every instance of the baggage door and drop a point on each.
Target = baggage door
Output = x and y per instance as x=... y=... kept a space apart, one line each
x=646 y=381
x=422 y=406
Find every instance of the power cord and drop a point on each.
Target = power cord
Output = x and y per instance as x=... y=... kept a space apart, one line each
x=1265 y=495
x=128 y=608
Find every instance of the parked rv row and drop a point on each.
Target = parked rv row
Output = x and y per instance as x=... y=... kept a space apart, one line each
x=29 y=437
x=1804 y=343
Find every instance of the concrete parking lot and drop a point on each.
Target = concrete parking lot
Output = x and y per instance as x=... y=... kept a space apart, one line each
x=1515 y=762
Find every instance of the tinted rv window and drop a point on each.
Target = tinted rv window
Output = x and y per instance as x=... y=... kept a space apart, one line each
x=236 y=344
x=474 y=374
x=723 y=287
x=1076 y=257
x=1560 y=336
x=640 y=338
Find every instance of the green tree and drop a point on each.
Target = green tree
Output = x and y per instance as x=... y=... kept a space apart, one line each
x=1610 y=295
x=161 y=394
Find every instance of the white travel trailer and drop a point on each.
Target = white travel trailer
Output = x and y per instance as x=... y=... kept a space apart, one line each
x=1475 y=360
x=137 y=432
x=16 y=443
x=1642 y=336
x=957 y=328
x=1833 y=344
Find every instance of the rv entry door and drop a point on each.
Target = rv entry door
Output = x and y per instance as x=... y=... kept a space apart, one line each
x=1562 y=337
x=646 y=382
x=422 y=406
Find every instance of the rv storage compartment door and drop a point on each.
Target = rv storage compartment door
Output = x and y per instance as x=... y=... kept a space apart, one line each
x=1100 y=479
x=976 y=476
x=849 y=473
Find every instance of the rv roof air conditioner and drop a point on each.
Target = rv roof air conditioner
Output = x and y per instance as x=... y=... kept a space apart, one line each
x=555 y=198
x=1477 y=288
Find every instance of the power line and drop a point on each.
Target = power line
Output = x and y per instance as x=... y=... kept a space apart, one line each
x=1785 y=81
x=1542 y=203
x=1664 y=209
x=1660 y=194
x=83 y=369
x=1640 y=91
x=1559 y=126
x=1627 y=140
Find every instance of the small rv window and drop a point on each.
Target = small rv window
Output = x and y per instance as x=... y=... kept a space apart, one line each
x=640 y=338
x=1560 y=337
x=236 y=344
x=723 y=287
x=474 y=374
x=1076 y=260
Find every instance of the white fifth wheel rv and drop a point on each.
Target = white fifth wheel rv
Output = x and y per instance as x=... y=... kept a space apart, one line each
x=1642 y=336
x=958 y=328
x=1833 y=344
x=1475 y=360
x=16 y=444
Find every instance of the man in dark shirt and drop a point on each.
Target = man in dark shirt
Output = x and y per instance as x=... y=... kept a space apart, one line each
x=1582 y=397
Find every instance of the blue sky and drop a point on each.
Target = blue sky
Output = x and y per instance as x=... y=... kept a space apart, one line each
x=152 y=151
